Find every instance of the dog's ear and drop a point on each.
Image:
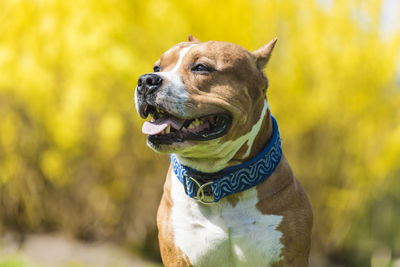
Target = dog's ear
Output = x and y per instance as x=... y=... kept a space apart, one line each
x=263 y=53
x=191 y=38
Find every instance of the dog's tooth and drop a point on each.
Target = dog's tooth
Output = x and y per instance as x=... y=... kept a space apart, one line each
x=168 y=130
x=160 y=111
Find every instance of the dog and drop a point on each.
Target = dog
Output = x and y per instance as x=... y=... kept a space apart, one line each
x=230 y=197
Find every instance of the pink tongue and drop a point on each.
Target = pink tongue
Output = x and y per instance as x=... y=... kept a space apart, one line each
x=159 y=125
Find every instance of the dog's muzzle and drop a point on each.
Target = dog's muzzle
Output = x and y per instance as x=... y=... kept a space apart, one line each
x=147 y=85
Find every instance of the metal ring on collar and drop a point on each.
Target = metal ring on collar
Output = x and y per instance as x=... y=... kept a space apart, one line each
x=200 y=196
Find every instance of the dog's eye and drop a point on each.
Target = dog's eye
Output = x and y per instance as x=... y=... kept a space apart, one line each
x=156 y=69
x=202 y=68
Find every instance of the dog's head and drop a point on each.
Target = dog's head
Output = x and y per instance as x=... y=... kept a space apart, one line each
x=202 y=96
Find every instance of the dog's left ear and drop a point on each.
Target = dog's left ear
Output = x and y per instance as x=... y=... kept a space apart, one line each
x=191 y=38
x=263 y=53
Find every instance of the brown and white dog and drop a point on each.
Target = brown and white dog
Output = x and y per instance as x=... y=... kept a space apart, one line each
x=208 y=106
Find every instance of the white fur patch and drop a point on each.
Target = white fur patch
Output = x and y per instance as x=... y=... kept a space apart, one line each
x=221 y=235
x=174 y=95
x=255 y=129
x=136 y=101
x=182 y=54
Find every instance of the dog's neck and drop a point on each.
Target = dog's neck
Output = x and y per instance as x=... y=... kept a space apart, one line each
x=238 y=151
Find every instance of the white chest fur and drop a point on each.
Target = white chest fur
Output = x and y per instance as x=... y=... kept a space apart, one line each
x=222 y=235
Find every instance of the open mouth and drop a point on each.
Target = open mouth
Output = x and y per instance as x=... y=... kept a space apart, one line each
x=165 y=128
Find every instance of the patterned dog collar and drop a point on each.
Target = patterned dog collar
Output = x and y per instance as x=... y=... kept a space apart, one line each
x=211 y=187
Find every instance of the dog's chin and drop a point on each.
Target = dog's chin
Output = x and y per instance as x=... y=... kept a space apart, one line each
x=166 y=149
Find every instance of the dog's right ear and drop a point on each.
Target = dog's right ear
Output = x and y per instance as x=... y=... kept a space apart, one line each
x=191 y=38
x=263 y=53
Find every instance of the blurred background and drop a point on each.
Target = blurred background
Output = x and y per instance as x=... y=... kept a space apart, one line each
x=77 y=182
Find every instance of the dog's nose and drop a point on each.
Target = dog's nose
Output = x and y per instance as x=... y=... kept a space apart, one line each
x=149 y=83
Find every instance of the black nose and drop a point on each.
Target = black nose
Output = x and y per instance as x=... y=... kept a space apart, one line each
x=149 y=83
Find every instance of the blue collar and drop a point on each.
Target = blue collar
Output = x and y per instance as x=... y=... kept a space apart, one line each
x=211 y=187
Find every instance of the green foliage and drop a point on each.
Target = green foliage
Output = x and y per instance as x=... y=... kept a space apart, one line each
x=15 y=261
x=72 y=157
